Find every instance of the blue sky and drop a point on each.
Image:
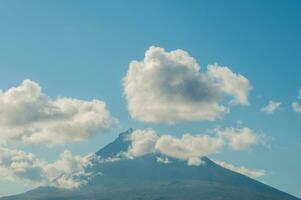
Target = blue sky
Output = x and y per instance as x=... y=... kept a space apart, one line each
x=82 y=50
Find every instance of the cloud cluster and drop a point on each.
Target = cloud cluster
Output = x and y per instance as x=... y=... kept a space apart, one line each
x=164 y=87
x=28 y=115
x=66 y=172
x=189 y=147
x=271 y=107
x=170 y=87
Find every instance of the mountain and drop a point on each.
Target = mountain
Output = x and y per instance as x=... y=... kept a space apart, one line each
x=144 y=178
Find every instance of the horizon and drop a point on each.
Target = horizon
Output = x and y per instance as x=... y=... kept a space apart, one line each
x=217 y=79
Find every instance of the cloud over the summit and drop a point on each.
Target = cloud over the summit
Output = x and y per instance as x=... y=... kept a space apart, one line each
x=170 y=87
x=190 y=147
x=28 y=115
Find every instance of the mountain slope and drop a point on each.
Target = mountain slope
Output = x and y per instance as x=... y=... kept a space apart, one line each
x=144 y=178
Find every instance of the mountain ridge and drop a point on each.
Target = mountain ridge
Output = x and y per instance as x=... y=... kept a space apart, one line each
x=145 y=178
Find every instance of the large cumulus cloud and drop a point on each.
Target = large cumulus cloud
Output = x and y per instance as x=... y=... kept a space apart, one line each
x=170 y=87
x=30 y=116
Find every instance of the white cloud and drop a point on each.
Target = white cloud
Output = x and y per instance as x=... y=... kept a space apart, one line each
x=170 y=87
x=238 y=138
x=296 y=107
x=163 y=160
x=271 y=107
x=143 y=142
x=28 y=115
x=17 y=165
x=189 y=147
x=253 y=173
x=233 y=84
x=194 y=161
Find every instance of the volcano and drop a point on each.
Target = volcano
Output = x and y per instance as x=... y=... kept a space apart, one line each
x=144 y=178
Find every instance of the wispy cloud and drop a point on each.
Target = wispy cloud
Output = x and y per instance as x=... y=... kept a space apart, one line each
x=271 y=107
x=253 y=173
x=295 y=105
